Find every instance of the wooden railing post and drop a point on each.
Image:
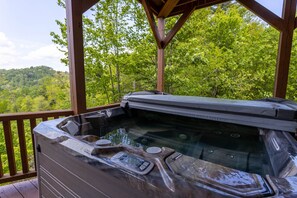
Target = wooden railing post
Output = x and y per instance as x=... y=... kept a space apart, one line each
x=7 y=120
x=32 y=126
x=9 y=147
x=1 y=167
x=23 y=147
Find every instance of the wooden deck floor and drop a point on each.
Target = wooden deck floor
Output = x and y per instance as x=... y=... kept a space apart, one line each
x=24 y=189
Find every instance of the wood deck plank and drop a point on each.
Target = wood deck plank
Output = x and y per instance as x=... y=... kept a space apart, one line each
x=9 y=191
x=34 y=182
x=26 y=189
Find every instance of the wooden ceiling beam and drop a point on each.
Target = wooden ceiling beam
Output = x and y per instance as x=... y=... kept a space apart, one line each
x=167 y=8
x=87 y=4
x=183 y=5
x=263 y=13
x=152 y=22
x=178 y=25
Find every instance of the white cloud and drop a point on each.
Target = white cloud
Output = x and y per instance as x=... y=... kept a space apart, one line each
x=7 y=50
x=47 y=55
x=47 y=52
x=21 y=54
x=5 y=42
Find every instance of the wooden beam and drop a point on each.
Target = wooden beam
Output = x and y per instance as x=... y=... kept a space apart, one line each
x=161 y=56
x=167 y=8
x=184 y=4
x=263 y=13
x=181 y=21
x=17 y=176
x=87 y=4
x=152 y=22
x=284 y=49
x=76 y=55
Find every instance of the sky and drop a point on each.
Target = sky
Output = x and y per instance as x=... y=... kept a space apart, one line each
x=25 y=27
x=25 y=40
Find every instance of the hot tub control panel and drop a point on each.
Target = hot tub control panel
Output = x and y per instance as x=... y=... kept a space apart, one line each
x=132 y=162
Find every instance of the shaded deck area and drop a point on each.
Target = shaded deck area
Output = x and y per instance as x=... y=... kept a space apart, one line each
x=24 y=189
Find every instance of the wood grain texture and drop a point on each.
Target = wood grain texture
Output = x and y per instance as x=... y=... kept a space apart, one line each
x=152 y=22
x=284 y=49
x=32 y=126
x=9 y=147
x=167 y=8
x=7 y=178
x=1 y=167
x=34 y=182
x=76 y=55
x=9 y=192
x=161 y=56
x=24 y=189
x=178 y=25
x=34 y=115
x=23 y=147
x=263 y=13
x=87 y=4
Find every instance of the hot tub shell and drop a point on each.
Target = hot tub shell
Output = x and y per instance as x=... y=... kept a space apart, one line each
x=71 y=164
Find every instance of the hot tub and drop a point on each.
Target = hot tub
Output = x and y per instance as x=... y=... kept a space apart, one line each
x=156 y=145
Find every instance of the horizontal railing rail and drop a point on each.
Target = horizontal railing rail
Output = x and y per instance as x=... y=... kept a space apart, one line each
x=17 y=132
x=103 y=107
x=16 y=139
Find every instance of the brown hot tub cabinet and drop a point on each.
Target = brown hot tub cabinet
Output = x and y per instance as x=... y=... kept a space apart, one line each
x=157 y=145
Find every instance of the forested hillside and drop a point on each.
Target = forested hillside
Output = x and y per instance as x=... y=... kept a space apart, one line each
x=33 y=89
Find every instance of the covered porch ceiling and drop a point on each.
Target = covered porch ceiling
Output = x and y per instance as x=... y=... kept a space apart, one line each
x=157 y=11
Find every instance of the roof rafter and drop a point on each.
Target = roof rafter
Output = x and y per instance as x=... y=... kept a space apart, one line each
x=167 y=8
x=152 y=22
x=178 y=25
x=182 y=5
x=87 y=4
x=263 y=13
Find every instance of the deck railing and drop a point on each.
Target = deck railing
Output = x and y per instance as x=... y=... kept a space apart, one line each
x=17 y=131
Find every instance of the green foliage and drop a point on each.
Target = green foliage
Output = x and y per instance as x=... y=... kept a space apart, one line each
x=222 y=51
x=33 y=89
x=28 y=90
x=116 y=36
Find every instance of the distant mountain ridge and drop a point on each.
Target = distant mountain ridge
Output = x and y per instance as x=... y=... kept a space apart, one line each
x=33 y=89
x=25 y=76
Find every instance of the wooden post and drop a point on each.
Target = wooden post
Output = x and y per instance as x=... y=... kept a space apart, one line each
x=284 y=49
x=23 y=146
x=9 y=148
x=161 y=56
x=74 y=11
